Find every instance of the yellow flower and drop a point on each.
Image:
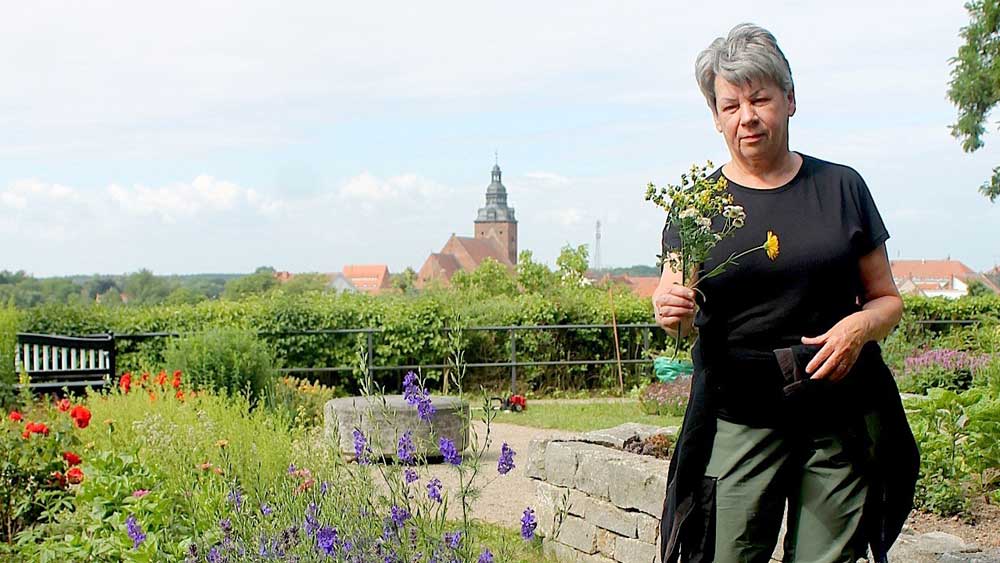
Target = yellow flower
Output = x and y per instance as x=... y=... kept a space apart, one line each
x=224 y=443
x=771 y=245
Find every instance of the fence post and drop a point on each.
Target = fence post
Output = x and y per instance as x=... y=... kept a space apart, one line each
x=513 y=361
x=371 y=350
x=112 y=360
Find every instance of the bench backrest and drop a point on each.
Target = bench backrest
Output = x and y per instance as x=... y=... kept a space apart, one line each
x=53 y=362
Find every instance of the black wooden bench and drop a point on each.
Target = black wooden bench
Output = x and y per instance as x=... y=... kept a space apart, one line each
x=53 y=362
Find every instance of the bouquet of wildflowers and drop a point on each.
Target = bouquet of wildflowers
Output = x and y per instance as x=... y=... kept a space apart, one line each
x=693 y=208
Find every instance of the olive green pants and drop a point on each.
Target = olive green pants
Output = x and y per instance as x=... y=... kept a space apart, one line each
x=757 y=470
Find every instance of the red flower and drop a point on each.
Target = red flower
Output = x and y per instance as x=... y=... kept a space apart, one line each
x=152 y=396
x=179 y=395
x=80 y=415
x=71 y=458
x=161 y=378
x=177 y=380
x=35 y=428
x=15 y=416
x=60 y=478
x=63 y=405
x=144 y=378
x=74 y=475
x=125 y=382
x=518 y=401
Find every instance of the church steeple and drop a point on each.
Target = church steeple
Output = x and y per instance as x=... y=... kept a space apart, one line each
x=496 y=220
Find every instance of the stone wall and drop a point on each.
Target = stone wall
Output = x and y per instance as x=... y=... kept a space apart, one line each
x=596 y=502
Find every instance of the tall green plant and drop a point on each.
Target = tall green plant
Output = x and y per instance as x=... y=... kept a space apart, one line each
x=9 y=323
x=225 y=360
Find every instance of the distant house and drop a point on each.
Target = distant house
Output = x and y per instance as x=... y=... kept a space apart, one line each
x=369 y=278
x=495 y=236
x=283 y=276
x=643 y=286
x=936 y=278
x=339 y=282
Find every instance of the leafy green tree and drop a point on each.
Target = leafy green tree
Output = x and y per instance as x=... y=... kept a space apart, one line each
x=534 y=277
x=406 y=281
x=975 y=80
x=184 y=296
x=977 y=288
x=258 y=283
x=305 y=283
x=144 y=288
x=572 y=264
x=491 y=278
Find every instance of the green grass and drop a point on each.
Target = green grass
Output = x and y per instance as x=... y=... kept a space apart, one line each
x=508 y=546
x=579 y=416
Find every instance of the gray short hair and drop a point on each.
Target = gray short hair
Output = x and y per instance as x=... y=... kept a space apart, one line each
x=749 y=53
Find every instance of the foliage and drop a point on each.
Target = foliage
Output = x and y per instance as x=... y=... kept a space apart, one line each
x=224 y=359
x=36 y=470
x=9 y=324
x=977 y=288
x=490 y=278
x=534 y=277
x=405 y=281
x=666 y=399
x=572 y=265
x=305 y=283
x=257 y=283
x=585 y=415
x=301 y=400
x=144 y=288
x=941 y=368
x=975 y=80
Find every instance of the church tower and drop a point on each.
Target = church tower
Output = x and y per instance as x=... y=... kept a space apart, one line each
x=496 y=220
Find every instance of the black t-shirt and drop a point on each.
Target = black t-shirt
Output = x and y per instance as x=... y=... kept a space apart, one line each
x=825 y=220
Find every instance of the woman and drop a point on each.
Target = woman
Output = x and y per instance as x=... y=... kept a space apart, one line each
x=836 y=447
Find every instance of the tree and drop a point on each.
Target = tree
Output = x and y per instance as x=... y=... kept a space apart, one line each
x=534 y=277
x=406 y=281
x=977 y=288
x=184 y=296
x=144 y=288
x=305 y=283
x=257 y=283
x=975 y=81
x=490 y=277
x=572 y=264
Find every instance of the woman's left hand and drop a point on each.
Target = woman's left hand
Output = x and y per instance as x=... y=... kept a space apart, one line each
x=841 y=346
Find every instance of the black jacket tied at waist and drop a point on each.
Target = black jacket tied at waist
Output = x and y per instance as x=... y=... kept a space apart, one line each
x=771 y=389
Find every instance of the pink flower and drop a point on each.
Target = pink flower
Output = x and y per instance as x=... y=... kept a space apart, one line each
x=140 y=493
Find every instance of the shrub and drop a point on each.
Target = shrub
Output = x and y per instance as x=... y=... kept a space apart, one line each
x=302 y=401
x=9 y=320
x=225 y=360
x=669 y=398
x=943 y=369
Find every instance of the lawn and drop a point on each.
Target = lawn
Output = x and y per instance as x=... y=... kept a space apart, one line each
x=583 y=416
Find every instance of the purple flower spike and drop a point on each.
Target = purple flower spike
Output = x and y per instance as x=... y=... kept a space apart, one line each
x=449 y=452
x=434 y=489
x=326 y=540
x=452 y=539
x=528 y=524
x=399 y=516
x=506 y=461
x=410 y=475
x=486 y=556
x=405 y=449
x=134 y=531
x=361 y=450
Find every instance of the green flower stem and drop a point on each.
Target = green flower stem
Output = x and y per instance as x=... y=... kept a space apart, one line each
x=729 y=261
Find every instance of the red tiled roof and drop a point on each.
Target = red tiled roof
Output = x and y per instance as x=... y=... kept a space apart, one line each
x=370 y=278
x=929 y=269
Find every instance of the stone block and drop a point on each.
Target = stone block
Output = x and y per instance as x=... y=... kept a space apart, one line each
x=578 y=534
x=594 y=470
x=634 y=551
x=606 y=542
x=647 y=528
x=383 y=424
x=560 y=463
x=559 y=551
x=535 y=469
x=595 y=558
x=639 y=485
x=577 y=503
x=610 y=517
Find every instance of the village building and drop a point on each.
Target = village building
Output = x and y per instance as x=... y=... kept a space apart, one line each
x=494 y=236
x=936 y=278
x=369 y=278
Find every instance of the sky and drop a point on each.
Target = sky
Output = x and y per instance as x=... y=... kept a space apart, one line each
x=189 y=137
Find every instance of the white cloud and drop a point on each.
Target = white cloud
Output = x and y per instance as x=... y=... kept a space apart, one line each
x=204 y=194
x=568 y=217
x=548 y=178
x=367 y=188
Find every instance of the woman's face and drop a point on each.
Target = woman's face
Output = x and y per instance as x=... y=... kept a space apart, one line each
x=753 y=118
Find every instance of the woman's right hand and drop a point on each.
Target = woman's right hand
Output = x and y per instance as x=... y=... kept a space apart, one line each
x=673 y=306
